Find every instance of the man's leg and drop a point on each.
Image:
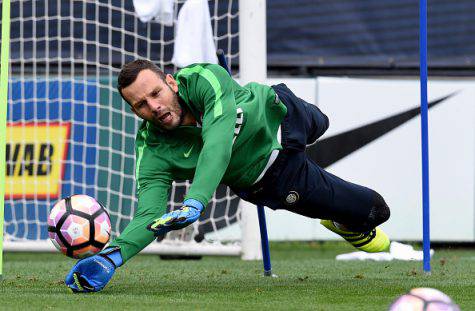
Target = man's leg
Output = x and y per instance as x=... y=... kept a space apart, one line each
x=366 y=236
x=379 y=212
x=304 y=122
x=301 y=186
x=348 y=209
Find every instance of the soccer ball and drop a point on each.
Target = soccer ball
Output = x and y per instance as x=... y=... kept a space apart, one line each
x=424 y=299
x=79 y=226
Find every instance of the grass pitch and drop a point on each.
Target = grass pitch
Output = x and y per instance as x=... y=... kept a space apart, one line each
x=309 y=278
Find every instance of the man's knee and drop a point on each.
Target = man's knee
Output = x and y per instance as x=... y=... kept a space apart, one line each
x=318 y=126
x=379 y=212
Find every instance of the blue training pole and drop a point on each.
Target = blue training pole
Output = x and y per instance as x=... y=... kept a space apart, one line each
x=261 y=214
x=264 y=241
x=424 y=135
x=222 y=60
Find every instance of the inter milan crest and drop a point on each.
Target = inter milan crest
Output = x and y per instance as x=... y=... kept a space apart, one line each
x=292 y=198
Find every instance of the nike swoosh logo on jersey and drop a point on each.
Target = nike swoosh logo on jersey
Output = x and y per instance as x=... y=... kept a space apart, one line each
x=187 y=154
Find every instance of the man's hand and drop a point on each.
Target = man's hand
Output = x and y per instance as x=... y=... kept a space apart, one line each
x=93 y=273
x=177 y=219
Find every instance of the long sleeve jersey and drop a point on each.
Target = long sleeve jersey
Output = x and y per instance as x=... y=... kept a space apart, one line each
x=231 y=144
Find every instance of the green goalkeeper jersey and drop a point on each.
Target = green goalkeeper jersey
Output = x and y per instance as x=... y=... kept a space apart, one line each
x=231 y=144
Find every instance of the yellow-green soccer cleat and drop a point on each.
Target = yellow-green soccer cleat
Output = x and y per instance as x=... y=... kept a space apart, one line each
x=373 y=241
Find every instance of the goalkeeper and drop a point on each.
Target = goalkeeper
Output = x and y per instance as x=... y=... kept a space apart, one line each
x=199 y=124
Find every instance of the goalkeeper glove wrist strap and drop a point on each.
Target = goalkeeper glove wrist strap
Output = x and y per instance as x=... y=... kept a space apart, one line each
x=112 y=255
x=194 y=203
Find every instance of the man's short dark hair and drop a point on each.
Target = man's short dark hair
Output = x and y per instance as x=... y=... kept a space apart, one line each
x=131 y=70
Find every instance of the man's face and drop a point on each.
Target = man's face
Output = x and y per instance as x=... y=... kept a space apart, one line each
x=154 y=100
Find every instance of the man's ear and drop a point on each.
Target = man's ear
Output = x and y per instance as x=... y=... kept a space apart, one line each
x=171 y=82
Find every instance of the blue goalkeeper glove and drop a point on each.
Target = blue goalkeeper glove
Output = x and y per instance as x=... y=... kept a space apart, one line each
x=93 y=273
x=177 y=219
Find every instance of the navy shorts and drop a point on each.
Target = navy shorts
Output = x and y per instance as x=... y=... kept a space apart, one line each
x=296 y=183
